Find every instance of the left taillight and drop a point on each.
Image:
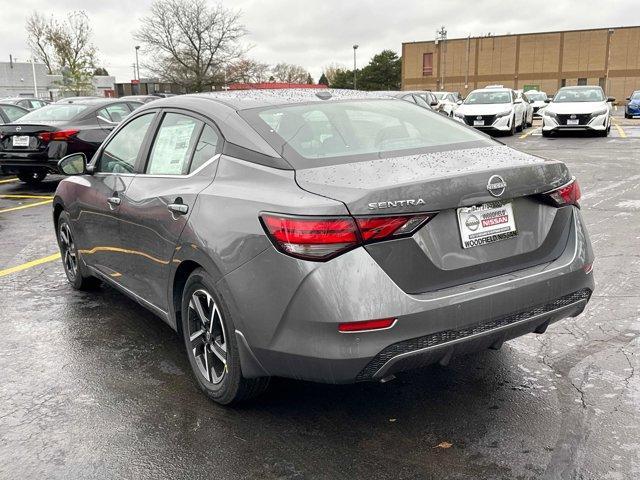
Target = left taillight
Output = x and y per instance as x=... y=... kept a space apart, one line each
x=568 y=194
x=61 y=135
x=323 y=238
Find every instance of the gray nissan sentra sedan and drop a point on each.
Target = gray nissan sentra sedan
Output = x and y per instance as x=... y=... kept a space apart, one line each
x=330 y=236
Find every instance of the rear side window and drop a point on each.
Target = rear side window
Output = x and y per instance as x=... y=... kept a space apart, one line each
x=206 y=148
x=121 y=153
x=13 y=113
x=173 y=145
x=115 y=113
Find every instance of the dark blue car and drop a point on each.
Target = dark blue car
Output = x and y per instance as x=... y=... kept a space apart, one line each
x=632 y=110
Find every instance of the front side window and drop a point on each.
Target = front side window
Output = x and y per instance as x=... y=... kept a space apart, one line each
x=173 y=145
x=488 y=96
x=121 y=153
x=566 y=95
x=357 y=127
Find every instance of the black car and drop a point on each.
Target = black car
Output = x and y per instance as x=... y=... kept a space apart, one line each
x=28 y=103
x=31 y=146
x=10 y=113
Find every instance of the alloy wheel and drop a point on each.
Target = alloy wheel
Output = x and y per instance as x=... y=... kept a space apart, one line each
x=69 y=255
x=208 y=343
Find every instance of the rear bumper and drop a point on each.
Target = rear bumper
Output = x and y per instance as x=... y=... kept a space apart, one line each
x=290 y=322
x=15 y=162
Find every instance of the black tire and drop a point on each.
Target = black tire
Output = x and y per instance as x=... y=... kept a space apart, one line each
x=219 y=378
x=513 y=126
x=546 y=133
x=32 y=178
x=75 y=270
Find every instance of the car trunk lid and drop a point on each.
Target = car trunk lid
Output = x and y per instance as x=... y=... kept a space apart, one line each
x=435 y=257
x=24 y=137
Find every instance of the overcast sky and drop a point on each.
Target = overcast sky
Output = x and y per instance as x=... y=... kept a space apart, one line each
x=316 y=33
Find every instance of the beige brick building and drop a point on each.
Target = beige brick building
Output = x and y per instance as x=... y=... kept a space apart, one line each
x=609 y=57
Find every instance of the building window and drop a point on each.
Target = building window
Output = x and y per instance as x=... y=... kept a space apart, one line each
x=602 y=83
x=582 y=81
x=427 y=64
x=563 y=82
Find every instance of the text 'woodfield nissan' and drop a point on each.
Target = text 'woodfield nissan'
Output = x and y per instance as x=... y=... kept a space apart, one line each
x=337 y=238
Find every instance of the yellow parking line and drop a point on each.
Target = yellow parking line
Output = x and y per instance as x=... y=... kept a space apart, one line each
x=36 y=204
x=7 y=180
x=528 y=133
x=48 y=197
x=621 y=132
x=33 y=263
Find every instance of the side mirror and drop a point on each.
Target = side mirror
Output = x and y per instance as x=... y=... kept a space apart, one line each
x=547 y=100
x=433 y=103
x=74 y=164
x=459 y=102
x=611 y=99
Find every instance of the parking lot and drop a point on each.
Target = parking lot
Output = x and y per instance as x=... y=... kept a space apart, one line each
x=93 y=385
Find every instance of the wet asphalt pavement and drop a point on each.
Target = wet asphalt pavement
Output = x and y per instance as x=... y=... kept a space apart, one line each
x=94 y=386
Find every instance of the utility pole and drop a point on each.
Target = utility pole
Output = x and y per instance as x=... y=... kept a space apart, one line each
x=35 y=85
x=607 y=83
x=355 y=68
x=137 y=64
x=441 y=37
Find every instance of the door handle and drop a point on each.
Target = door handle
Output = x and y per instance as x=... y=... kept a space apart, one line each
x=113 y=201
x=179 y=208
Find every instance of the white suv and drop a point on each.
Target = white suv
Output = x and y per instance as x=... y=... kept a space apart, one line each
x=494 y=109
x=578 y=108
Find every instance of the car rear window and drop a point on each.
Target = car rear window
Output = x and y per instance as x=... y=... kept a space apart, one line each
x=363 y=129
x=54 y=113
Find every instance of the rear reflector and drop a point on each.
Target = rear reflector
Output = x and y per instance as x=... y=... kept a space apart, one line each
x=568 y=194
x=367 y=325
x=322 y=238
x=59 y=135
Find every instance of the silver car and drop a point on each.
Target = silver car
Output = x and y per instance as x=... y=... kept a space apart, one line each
x=330 y=236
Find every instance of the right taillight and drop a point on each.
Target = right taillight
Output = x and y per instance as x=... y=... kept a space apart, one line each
x=322 y=238
x=568 y=194
x=62 y=135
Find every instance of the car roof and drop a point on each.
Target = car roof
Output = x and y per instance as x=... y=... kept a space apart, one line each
x=581 y=87
x=2 y=104
x=91 y=101
x=492 y=89
x=245 y=99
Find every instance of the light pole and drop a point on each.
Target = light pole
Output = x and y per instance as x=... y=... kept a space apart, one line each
x=355 y=68
x=137 y=64
x=441 y=37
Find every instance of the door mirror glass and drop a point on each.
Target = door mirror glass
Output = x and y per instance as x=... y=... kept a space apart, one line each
x=459 y=102
x=74 y=164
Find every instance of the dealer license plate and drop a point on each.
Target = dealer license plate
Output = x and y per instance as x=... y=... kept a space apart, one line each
x=478 y=123
x=573 y=121
x=21 y=140
x=486 y=223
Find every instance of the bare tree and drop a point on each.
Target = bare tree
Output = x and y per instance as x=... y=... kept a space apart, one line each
x=285 y=72
x=38 y=28
x=247 y=70
x=64 y=47
x=331 y=70
x=190 y=42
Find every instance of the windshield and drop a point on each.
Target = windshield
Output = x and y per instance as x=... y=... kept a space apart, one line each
x=567 y=95
x=54 y=113
x=536 y=97
x=636 y=95
x=439 y=95
x=356 y=127
x=486 y=97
